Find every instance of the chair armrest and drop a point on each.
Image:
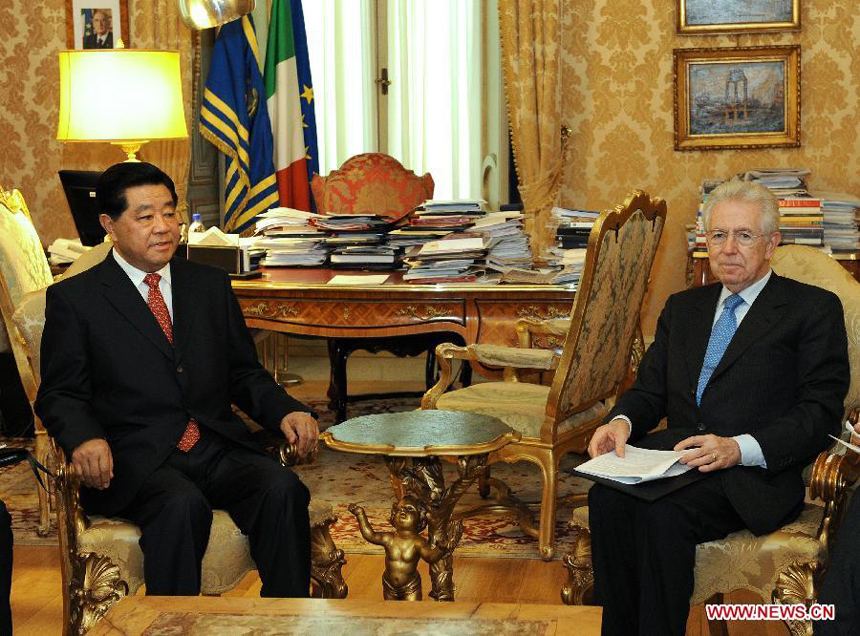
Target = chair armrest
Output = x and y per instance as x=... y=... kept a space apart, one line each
x=520 y=358
x=445 y=352
x=288 y=454
x=528 y=327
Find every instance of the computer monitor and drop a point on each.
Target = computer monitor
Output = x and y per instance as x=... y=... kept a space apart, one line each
x=80 y=189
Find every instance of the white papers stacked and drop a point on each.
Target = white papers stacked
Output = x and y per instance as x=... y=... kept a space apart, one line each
x=289 y=238
x=638 y=465
x=64 y=251
x=508 y=245
x=448 y=260
x=841 y=221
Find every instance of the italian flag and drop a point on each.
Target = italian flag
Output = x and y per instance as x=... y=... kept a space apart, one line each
x=283 y=96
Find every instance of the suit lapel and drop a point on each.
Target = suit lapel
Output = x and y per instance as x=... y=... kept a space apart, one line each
x=701 y=319
x=120 y=292
x=764 y=313
x=184 y=304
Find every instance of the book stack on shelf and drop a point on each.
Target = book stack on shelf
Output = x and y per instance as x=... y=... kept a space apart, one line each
x=841 y=221
x=801 y=221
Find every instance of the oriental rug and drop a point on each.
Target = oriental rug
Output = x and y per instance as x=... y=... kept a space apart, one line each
x=343 y=478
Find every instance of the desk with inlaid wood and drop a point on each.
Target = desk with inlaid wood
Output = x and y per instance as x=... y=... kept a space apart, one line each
x=300 y=302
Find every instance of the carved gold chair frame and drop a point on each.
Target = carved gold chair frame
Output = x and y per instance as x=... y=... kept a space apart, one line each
x=13 y=201
x=92 y=582
x=598 y=345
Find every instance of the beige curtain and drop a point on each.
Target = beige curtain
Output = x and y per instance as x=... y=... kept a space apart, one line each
x=155 y=24
x=531 y=61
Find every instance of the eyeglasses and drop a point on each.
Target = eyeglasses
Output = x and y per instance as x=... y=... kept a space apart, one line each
x=743 y=238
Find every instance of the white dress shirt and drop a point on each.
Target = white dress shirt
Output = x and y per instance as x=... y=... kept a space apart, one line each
x=751 y=453
x=136 y=276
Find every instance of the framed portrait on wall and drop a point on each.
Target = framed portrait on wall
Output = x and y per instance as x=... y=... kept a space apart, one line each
x=737 y=97
x=706 y=17
x=96 y=24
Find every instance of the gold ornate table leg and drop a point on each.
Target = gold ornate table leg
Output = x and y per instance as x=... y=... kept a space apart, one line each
x=424 y=481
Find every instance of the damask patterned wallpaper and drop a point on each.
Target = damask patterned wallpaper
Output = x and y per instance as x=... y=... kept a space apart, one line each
x=31 y=33
x=617 y=98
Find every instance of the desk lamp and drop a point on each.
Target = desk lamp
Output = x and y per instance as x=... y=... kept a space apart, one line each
x=126 y=97
x=205 y=14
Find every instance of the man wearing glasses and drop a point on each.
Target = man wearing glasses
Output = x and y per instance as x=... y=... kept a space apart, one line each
x=750 y=374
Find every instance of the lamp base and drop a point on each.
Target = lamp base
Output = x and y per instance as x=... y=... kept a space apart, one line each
x=130 y=148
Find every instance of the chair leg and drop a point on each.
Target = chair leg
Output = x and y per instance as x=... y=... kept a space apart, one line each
x=579 y=587
x=546 y=538
x=95 y=585
x=326 y=563
x=43 y=453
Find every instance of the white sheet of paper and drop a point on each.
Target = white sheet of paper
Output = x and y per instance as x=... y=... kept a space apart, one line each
x=374 y=279
x=638 y=465
x=853 y=447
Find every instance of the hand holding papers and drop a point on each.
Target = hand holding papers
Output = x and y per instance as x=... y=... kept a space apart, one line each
x=846 y=444
x=638 y=465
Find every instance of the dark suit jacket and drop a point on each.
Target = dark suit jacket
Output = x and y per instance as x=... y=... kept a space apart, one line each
x=91 y=41
x=783 y=380
x=108 y=371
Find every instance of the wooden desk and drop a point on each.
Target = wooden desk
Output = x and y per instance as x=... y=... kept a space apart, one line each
x=299 y=302
x=232 y=615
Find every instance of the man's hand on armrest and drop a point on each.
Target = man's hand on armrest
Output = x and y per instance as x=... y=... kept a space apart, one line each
x=93 y=461
x=610 y=437
x=301 y=429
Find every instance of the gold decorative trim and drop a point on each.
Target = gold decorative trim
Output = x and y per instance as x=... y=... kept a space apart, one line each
x=272 y=309
x=429 y=312
x=797 y=585
x=425 y=451
x=793 y=24
x=580 y=576
x=326 y=563
x=534 y=312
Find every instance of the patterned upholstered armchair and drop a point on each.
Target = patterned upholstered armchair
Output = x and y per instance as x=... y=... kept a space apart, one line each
x=100 y=558
x=783 y=567
x=373 y=183
x=23 y=268
x=594 y=361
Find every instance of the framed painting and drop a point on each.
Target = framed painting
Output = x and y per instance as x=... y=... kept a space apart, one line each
x=97 y=24
x=705 y=17
x=737 y=98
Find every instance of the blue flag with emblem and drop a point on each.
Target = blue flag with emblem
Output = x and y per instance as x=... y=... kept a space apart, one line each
x=234 y=117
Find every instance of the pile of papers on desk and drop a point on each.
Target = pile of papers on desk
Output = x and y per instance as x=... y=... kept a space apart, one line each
x=350 y=222
x=452 y=259
x=508 y=245
x=65 y=251
x=290 y=239
x=450 y=215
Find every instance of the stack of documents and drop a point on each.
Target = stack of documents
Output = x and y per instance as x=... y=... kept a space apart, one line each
x=289 y=238
x=449 y=215
x=783 y=182
x=64 y=251
x=841 y=214
x=350 y=222
x=508 y=244
x=638 y=465
x=448 y=260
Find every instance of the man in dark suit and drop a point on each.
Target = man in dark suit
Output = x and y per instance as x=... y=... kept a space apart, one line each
x=750 y=374
x=102 y=35
x=142 y=357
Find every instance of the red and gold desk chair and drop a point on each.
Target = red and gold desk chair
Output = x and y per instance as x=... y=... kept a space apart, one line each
x=23 y=268
x=592 y=366
x=372 y=183
x=784 y=566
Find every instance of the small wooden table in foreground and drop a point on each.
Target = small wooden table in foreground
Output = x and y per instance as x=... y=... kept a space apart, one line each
x=426 y=436
x=154 y=615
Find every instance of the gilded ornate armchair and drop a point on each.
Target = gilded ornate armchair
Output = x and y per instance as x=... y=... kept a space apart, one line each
x=23 y=268
x=372 y=183
x=785 y=566
x=100 y=558
x=593 y=363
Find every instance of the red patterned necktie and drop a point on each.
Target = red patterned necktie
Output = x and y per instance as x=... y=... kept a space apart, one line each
x=159 y=310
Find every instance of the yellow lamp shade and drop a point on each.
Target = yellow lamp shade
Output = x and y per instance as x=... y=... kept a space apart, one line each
x=120 y=95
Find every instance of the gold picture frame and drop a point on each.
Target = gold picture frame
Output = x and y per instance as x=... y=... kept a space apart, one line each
x=708 y=17
x=737 y=97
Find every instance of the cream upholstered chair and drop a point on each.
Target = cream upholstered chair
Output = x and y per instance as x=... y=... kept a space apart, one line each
x=23 y=268
x=593 y=363
x=785 y=566
x=100 y=557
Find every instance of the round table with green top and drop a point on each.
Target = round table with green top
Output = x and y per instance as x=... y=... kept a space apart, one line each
x=425 y=437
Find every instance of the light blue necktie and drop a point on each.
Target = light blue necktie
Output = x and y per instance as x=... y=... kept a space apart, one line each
x=721 y=336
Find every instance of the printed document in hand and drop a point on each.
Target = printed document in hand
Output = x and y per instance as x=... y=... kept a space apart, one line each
x=638 y=465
